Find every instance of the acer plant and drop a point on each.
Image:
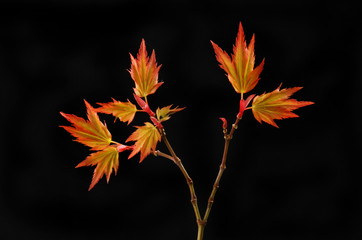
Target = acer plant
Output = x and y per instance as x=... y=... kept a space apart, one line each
x=243 y=76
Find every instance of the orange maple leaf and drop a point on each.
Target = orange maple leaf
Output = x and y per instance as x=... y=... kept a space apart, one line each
x=124 y=111
x=144 y=72
x=106 y=161
x=146 y=138
x=240 y=67
x=92 y=132
x=277 y=105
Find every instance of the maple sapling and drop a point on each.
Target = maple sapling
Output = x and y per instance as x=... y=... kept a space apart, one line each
x=242 y=75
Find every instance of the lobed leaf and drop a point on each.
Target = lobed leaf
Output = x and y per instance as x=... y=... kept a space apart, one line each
x=146 y=138
x=276 y=105
x=164 y=113
x=240 y=67
x=124 y=111
x=144 y=72
x=92 y=132
x=106 y=161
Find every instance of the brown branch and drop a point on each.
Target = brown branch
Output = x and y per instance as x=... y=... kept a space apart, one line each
x=189 y=181
x=228 y=138
x=158 y=153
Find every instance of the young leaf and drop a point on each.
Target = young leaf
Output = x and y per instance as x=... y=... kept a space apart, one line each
x=240 y=67
x=146 y=138
x=164 y=113
x=124 y=111
x=224 y=123
x=106 y=161
x=276 y=105
x=92 y=132
x=144 y=72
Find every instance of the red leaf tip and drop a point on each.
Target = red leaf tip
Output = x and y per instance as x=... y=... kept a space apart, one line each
x=224 y=123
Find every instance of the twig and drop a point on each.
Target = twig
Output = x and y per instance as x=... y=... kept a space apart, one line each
x=200 y=222
x=228 y=138
x=158 y=153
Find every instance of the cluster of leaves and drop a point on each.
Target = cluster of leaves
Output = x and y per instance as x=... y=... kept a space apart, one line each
x=144 y=70
x=94 y=134
x=244 y=77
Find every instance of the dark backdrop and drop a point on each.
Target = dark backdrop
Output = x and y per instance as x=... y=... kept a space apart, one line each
x=301 y=181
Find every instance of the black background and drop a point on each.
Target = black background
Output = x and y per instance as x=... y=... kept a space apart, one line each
x=301 y=181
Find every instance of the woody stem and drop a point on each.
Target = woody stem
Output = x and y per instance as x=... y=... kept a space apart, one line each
x=227 y=138
x=158 y=153
x=200 y=222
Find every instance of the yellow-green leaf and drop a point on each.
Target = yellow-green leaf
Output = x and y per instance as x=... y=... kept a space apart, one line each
x=146 y=138
x=92 y=132
x=240 y=66
x=106 y=161
x=164 y=113
x=144 y=72
x=124 y=111
x=276 y=105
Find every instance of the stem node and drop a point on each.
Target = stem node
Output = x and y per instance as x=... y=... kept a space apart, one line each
x=201 y=222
